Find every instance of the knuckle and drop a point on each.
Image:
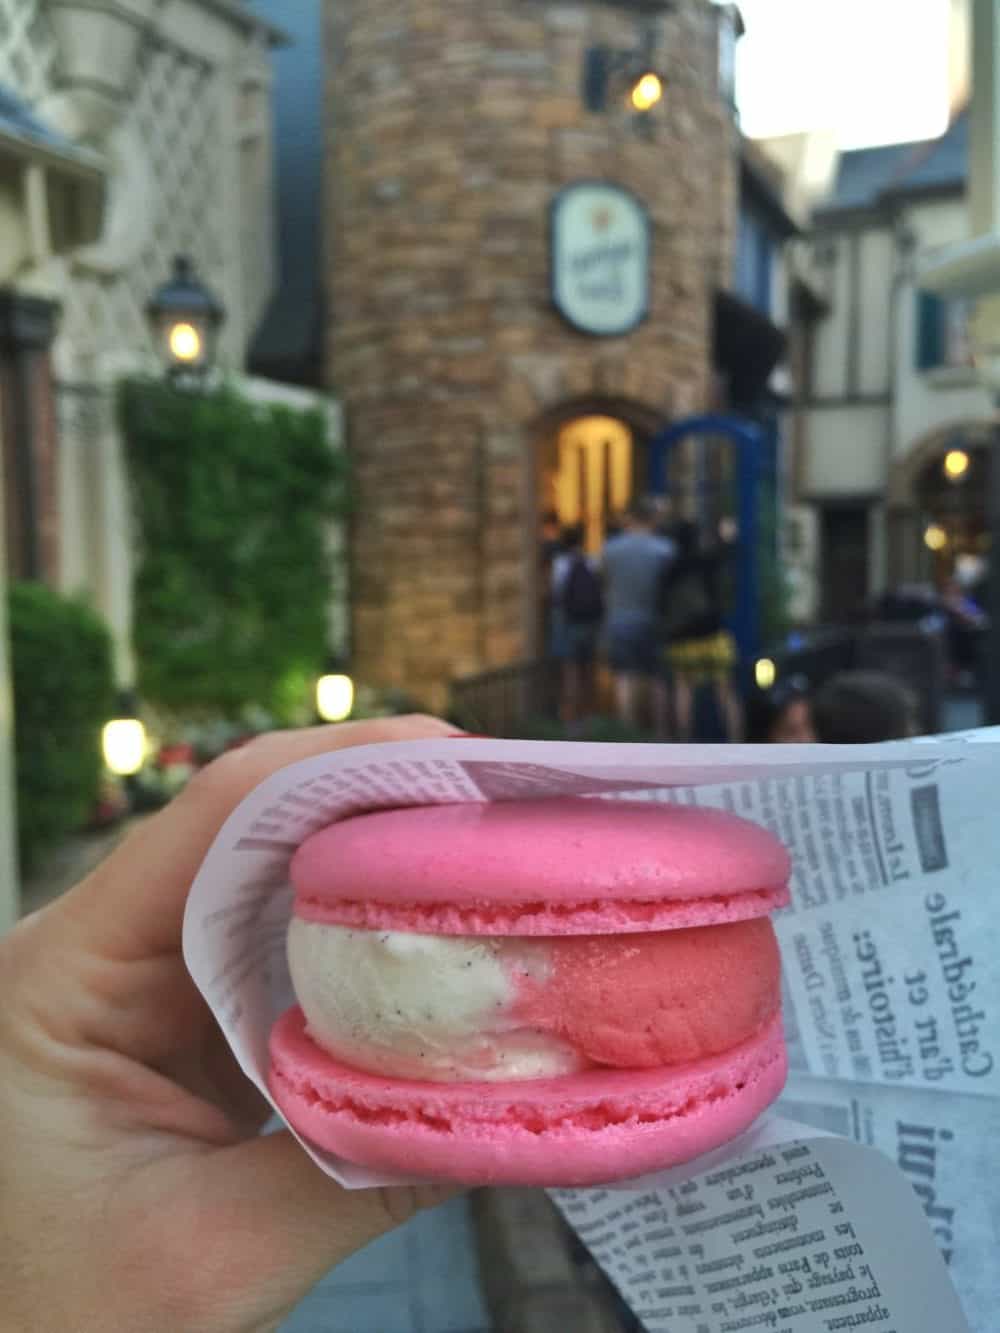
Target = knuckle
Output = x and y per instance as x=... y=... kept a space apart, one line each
x=231 y=774
x=213 y=778
x=398 y=1203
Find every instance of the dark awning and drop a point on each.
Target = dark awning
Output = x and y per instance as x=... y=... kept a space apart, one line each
x=747 y=347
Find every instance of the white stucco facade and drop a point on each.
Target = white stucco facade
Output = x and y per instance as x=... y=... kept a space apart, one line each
x=183 y=127
x=931 y=400
x=877 y=410
x=871 y=402
x=172 y=99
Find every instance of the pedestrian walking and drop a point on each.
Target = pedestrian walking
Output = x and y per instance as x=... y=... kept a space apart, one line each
x=700 y=650
x=634 y=565
x=549 y=548
x=578 y=608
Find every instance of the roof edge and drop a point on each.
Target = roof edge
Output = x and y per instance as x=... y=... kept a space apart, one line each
x=248 y=21
x=759 y=175
x=80 y=162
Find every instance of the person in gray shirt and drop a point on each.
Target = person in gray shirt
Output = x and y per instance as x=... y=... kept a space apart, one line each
x=634 y=564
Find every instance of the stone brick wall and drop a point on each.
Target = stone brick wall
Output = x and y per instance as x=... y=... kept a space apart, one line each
x=451 y=128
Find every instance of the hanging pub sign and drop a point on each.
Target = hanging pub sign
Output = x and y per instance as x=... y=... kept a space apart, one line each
x=600 y=258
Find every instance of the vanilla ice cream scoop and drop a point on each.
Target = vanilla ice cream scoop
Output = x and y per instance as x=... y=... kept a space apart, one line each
x=423 y=1006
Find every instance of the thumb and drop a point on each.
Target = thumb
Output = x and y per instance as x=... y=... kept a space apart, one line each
x=283 y=1224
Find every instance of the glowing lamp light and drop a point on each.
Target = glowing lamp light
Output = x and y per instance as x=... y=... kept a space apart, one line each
x=185 y=318
x=335 y=697
x=765 y=673
x=184 y=342
x=956 y=464
x=608 y=73
x=124 y=744
x=935 y=537
x=647 y=92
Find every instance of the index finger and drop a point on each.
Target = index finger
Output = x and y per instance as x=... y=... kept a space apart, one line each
x=133 y=903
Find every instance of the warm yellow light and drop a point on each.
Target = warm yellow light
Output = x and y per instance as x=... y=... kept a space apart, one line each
x=334 y=698
x=765 y=673
x=124 y=745
x=185 y=342
x=935 y=537
x=956 y=464
x=647 y=92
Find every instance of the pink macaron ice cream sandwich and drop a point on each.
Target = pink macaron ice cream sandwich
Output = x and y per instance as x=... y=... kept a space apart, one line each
x=543 y=992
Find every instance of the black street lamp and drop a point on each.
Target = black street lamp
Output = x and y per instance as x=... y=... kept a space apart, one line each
x=185 y=318
x=633 y=73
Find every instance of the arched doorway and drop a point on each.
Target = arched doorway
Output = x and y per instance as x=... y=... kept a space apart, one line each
x=588 y=473
x=589 y=460
x=951 y=495
x=728 y=490
x=939 y=525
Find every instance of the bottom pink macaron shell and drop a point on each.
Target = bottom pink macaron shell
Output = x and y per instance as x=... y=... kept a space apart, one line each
x=581 y=1129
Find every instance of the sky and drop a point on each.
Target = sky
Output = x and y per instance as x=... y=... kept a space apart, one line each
x=875 y=71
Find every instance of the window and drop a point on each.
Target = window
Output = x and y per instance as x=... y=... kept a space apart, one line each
x=728 y=37
x=846 y=559
x=943 y=340
x=754 y=261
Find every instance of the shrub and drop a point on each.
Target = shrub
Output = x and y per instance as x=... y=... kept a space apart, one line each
x=63 y=687
x=233 y=504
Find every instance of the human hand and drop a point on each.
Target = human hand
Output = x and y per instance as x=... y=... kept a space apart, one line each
x=135 y=1192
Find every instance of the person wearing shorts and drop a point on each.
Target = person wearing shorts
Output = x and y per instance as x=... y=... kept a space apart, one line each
x=578 y=626
x=700 y=651
x=634 y=565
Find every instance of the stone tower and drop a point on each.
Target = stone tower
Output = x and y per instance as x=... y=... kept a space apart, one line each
x=453 y=127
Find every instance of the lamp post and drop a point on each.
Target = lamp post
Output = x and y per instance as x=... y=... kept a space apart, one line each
x=185 y=318
x=123 y=745
x=335 y=692
x=633 y=71
x=602 y=67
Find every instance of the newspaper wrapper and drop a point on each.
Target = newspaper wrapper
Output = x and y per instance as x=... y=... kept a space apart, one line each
x=891 y=953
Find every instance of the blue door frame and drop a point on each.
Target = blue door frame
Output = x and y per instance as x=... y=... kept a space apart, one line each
x=748 y=440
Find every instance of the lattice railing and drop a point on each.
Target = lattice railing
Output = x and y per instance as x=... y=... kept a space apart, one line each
x=174 y=115
x=27 y=48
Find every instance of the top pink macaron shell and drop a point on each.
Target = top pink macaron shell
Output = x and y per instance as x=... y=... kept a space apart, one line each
x=540 y=867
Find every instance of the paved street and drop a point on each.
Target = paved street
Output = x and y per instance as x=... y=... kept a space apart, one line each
x=71 y=862
x=420 y=1279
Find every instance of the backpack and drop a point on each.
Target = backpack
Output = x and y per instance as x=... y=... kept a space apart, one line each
x=583 y=599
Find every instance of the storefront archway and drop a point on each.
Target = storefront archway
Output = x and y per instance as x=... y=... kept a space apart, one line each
x=937 y=503
x=747 y=440
x=587 y=459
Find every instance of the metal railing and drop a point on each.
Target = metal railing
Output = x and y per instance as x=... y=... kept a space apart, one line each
x=503 y=701
x=511 y=700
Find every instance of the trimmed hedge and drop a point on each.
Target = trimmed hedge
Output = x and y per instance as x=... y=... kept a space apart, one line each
x=233 y=504
x=63 y=685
